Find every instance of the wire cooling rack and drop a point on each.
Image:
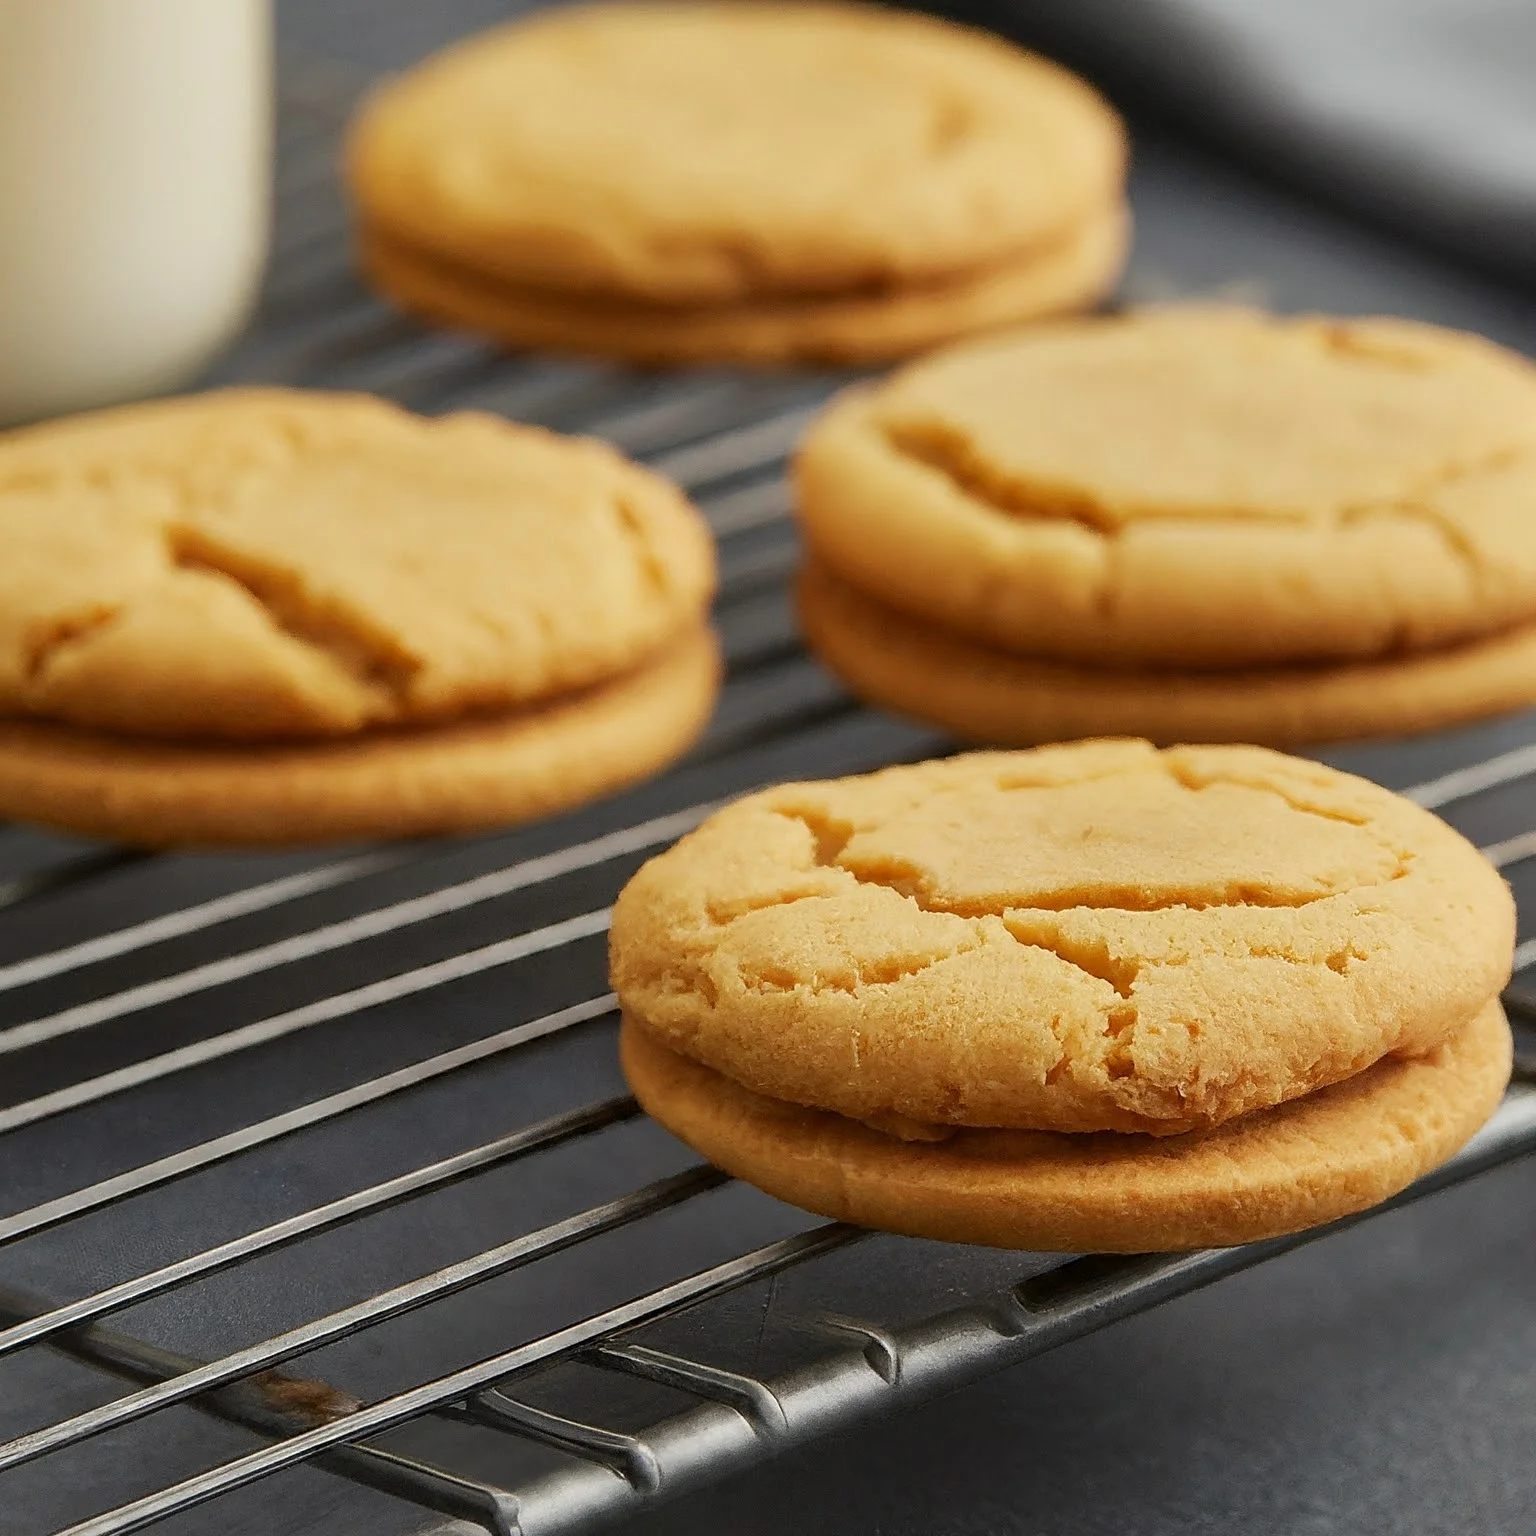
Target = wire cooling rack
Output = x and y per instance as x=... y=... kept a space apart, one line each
x=320 y=1166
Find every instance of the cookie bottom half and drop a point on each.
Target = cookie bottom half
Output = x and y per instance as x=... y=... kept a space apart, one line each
x=990 y=696
x=1072 y=274
x=485 y=772
x=1315 y=1159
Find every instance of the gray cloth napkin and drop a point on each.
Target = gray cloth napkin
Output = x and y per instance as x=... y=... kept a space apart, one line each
x=1419 y=111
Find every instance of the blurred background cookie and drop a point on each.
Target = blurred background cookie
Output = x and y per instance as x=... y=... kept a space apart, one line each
x=1207 y=524
x=271 y=616
x=677 y=182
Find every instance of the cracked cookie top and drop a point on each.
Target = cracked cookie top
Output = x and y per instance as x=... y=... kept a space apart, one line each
x=1091 y=937
x=1191 y=487
x=271 y=563
x=713 y=153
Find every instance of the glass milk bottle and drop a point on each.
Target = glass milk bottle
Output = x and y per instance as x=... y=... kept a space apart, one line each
x=134 y=192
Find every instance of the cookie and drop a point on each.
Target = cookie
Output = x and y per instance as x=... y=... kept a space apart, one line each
x=259 y=564
x=1074 y=272
x=1100 y=937
x=485 y=771
x=714 y=153
x=1312 y=1160
x=268 y=616
x=1190 y=489
x=984 y=694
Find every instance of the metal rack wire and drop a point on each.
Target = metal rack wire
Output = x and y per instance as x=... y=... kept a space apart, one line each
x=240 y=1021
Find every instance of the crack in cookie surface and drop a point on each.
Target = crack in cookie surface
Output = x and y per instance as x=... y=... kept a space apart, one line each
x=49 y=639
x=946 y=448
x=1023 y=429
x=368 y=653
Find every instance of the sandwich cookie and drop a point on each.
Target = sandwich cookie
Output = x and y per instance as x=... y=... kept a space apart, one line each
x=1090 y=996
x=268 y=616
x=1186 y=523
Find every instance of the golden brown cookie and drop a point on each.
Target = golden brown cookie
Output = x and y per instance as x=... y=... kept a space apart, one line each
x=1312 y=1160
x=984 y=694
x=268 y=563
x=268 y=616
x=1073 y=272
x=484 y=771
x=1191 y=489
x=713 y=153
x=1099 y=937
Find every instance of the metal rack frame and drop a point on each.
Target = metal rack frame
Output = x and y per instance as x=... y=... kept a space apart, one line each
x=725 y=441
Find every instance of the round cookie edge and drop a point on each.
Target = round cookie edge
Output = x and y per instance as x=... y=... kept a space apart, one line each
x=869 y=329
x=989 y=696
x=473 y=775
x=1329 y=1155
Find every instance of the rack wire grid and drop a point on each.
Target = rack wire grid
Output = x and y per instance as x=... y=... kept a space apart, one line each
x=320 y=1164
